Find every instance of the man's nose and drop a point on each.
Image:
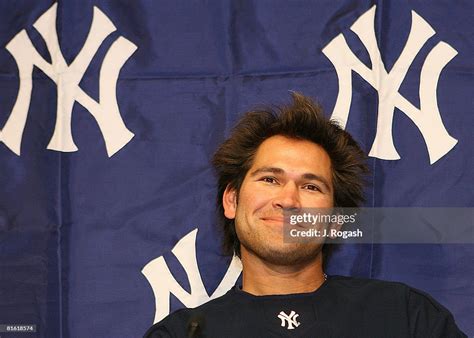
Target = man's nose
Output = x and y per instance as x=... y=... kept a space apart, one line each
x=288 y=197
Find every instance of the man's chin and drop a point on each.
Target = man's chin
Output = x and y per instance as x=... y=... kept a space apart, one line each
x=288 y=255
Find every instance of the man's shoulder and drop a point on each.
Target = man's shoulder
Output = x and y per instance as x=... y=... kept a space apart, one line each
x=381 y=288
x=166 y=327
x=425 y=316
x=392 y=288
x=355 y=284
x=181 y=321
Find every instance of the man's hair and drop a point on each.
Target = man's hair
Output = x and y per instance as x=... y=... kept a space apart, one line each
x=301 y=120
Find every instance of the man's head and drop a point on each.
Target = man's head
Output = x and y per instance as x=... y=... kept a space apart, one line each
x=283 y=158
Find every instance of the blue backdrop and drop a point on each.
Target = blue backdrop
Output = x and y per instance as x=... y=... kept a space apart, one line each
x=105 y=144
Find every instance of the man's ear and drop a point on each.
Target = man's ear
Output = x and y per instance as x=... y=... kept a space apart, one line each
x=229 y=201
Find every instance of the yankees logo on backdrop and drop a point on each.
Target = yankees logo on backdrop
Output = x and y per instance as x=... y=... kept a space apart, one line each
x=290 y=320
x=164 y=284
x=67 y=78
x=427 y=118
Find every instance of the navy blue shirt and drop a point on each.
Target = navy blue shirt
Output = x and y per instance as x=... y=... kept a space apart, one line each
x=341 y=307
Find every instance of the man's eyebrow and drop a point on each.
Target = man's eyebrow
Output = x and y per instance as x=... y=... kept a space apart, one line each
x=272 y=170
x=306 y=176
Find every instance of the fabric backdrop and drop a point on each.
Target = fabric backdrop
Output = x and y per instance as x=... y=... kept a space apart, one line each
x=111 y=110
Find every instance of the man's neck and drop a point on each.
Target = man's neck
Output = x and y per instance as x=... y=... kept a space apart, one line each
x=262 y=278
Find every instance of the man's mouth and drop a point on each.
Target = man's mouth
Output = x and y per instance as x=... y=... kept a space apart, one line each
x=273 y=219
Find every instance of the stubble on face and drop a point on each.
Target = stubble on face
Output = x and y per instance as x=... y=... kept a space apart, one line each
x=286 y=254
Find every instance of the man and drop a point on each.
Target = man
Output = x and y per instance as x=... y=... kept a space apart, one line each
x=278 y=161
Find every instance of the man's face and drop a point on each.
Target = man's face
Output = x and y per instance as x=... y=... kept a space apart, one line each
x=287 y=174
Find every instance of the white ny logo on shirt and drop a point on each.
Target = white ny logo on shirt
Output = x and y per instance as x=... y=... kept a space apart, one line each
x=289 y=319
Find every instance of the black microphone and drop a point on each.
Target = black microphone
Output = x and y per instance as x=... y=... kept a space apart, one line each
x=195 y=326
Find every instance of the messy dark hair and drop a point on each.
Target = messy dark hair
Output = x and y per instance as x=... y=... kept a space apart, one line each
x=302 y=119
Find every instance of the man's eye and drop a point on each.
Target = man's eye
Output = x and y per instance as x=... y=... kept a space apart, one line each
x=269 y=180
x=312 y=187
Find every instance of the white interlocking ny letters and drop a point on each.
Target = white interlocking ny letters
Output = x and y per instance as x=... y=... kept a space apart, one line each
x=427 y=118
x=67 y=78
x=289 y=320
x=164 y=284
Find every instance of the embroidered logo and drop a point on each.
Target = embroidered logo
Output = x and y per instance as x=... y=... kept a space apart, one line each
x=67 y=79
x=427 y=118
x=289 y=320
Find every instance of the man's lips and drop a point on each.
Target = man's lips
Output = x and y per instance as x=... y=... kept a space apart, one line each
x=274 y=219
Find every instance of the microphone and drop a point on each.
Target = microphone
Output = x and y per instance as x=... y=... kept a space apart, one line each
x=195 y=326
